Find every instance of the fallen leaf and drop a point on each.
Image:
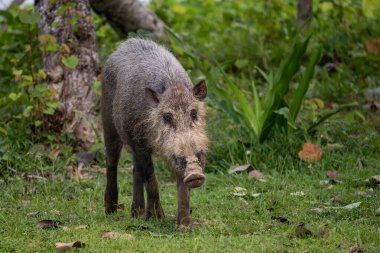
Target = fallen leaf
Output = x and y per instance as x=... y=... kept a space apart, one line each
x=256 y=174
x=239 y=191
x=355 y=249
x=361 y=193
x=255 y=195
x=55 y=153
x=330 y=182
x=301 y=193
x=239 y=169
x=48 y=224
x=281 y=219
x=70 y=245
x=32 y=214
x=350 y=206
x=310 y=153
x=333 y=174
x=376 y=179
x=317 y=210
x=112 y=234
x=302 y=231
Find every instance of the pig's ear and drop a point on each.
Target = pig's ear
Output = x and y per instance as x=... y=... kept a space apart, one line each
x=152 y=97
x=200 y=90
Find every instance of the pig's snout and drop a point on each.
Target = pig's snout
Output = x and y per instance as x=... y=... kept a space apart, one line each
x=194 y=180
x=193 y=176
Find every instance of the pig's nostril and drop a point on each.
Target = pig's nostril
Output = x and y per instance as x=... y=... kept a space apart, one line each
x=194 y=180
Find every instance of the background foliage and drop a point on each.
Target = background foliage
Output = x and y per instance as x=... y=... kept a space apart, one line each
x=236 y=46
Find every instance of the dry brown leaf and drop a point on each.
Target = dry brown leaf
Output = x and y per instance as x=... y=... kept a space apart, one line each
x=256 y=174
x=112 y=234
x=373 y=46
x=317 y=210
x=55 y=153
x=333 y=174
x=47 y=224
x=376 y=179
x=355 y=249
x=240 y=168
x=69 y=245
x=310 y=153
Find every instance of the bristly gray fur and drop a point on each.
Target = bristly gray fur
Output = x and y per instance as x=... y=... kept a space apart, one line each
x=135 y=65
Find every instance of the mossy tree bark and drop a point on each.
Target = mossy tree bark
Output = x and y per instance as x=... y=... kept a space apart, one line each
x=72 y=65
x=128 y=16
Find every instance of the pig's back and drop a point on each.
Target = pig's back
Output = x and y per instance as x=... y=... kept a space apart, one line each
x=135 y=65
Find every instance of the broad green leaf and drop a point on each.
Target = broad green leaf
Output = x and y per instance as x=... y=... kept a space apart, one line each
x=42 y=73
x=27 y=111
x=96 y=85
x=70 y=62
x=51 y=47
x=62 y=9
x=15 y=96
x=38 y=123
x=40 y=88
x=45 y=38
x=49 y=111
x=304 y=84
x=29 y=18
x=53 y=104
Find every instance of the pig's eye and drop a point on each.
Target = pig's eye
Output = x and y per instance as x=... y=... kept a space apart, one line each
x=168 y=118
x=181 y=161
x=194 y=114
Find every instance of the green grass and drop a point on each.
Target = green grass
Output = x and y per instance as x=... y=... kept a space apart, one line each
x=227 y=223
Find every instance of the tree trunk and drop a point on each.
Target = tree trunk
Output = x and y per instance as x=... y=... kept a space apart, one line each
x=69 y=25
x=128 y=16
x=304 y=11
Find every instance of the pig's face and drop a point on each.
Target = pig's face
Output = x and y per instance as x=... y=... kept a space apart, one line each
x=177 y=126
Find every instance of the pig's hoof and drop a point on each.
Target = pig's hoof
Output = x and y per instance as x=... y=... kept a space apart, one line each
x=110 y=208
x=138 y=212
x=194 y=180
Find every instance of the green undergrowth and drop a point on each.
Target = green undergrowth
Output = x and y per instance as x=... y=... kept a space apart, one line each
x=289 y=192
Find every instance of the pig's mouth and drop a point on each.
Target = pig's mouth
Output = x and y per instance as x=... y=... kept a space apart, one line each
x=194 y=180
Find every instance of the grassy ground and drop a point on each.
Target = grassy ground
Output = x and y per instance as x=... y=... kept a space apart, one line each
x=227 y=223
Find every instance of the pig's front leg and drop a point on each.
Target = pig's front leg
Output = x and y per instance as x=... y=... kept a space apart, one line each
x=183 y=217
